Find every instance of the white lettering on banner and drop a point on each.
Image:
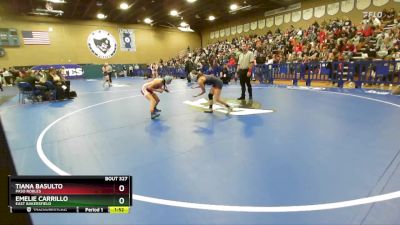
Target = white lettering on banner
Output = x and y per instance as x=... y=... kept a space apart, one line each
x=371 y=14
x=74 y=72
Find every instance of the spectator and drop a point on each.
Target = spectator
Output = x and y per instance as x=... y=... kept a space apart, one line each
x=189 y=66
x=391 y=15
x=154 y=69
x=225 y=76
x=336 y=39
x=63 y=71
x=131 y=70
x=368 y=31
x=14 y=74
x=260 y=61
x=376 y=22
x=26 y=76
x=62 y=86
x=8 y=77
x=29 y=77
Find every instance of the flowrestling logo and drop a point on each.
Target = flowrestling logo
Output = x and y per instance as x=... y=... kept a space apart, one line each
x=102 y=44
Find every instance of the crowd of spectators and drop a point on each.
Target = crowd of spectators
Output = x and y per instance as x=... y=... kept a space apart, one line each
x=49 y=84
x=372 y=38
x=8 y=76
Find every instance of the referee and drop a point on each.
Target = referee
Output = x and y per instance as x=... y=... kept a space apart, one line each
x=244 y=68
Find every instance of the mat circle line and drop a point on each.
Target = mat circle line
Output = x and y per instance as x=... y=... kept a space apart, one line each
x=227 y=208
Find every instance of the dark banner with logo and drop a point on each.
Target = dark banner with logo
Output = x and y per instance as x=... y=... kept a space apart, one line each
x=72 y=70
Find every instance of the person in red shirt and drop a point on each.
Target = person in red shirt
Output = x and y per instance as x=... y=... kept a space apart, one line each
x=350 y=46
x=232 y=61
x=232 y=66
x=368 y=31
x=298 y=48
x=341 y=46
x=337 y=32
x=322 y=36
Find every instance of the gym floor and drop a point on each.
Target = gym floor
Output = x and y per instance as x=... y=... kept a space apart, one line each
x=294 y=155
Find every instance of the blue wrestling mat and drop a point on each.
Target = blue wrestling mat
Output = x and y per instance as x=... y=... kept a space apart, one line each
x=292 y=156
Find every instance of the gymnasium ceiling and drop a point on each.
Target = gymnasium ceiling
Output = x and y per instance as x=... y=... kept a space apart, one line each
x=195 y=14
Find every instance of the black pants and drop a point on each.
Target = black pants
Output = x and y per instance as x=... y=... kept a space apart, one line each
x=9 y=80
x=68 y=84
x=109 y=77
x=189 y=79
x=60 y=92
x=245 y=80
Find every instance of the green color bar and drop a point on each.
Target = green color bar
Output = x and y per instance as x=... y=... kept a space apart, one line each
x=85 y=200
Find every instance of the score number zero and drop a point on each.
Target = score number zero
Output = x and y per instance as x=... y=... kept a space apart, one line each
x=121 y=187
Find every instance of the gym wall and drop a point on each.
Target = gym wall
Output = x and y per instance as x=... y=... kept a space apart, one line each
x=355 y=15
x=69 y=42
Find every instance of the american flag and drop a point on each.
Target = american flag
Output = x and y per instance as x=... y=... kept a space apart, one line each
x=36 y=37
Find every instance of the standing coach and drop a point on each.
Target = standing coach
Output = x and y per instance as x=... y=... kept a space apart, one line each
x=245 y=66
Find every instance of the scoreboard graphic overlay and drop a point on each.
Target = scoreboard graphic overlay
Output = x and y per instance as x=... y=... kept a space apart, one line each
x=69 y=194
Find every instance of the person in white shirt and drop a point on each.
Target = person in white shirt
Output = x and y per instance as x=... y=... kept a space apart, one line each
x=63 y=71
x=8 y=77
x=376 y=22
